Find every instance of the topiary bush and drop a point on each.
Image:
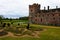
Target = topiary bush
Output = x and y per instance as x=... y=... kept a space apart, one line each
x=4 y=25
x=8 y=24
x=27 y=27
x=18 y=24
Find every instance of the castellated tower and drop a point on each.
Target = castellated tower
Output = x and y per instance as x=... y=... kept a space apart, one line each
x=33 y=9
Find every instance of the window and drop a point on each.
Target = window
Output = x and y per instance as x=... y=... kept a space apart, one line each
x=52 y=14
x=35 y=15
x=41 y=19
x=59 y=18
x=47 y=14
x=35 y=19
x=53 y=18
x=43 y=15
x=31 y=10
x=59 y=14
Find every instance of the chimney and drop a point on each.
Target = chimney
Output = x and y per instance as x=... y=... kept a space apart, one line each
x=44 y=8
x=48 y=7
x=56 y=7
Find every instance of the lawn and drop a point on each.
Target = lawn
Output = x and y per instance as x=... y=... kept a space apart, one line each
x=50 y=33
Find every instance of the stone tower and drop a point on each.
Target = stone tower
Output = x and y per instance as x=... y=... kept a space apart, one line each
x=33 y=9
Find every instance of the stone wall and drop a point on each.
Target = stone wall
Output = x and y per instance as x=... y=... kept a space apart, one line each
x=47 y=17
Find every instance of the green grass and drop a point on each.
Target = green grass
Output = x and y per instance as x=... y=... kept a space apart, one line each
x=51 y=33
x=23 y=38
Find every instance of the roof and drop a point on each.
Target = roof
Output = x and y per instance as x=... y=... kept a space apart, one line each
x=53 y=10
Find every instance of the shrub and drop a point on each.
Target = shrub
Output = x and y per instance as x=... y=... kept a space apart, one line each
x=18 y=24
x=27 y=26
x=4 y=24
x=8 y=24
x=11 y=22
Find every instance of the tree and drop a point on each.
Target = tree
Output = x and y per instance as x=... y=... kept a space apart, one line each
x=23 y=18
x=10 y=19
x=6 y=18
x=1 y=17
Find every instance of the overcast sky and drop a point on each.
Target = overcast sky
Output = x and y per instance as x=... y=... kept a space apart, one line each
x=18 y=8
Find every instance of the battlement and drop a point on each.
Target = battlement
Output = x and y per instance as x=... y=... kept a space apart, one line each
x=34 y=6
x=37 y=6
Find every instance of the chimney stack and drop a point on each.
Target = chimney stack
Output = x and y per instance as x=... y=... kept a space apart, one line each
x=56 y=7
x=48 y=7
x=44 y=8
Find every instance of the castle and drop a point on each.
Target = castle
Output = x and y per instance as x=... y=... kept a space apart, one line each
x=47 y=17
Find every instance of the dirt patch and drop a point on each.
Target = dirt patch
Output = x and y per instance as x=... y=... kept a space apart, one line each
x=26 y=33
x=36 y=34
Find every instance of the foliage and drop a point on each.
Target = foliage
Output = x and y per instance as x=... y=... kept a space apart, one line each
x=23 y=18
x=8 y=24
x=1 y=17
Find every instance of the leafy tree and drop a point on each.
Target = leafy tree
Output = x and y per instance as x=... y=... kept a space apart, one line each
x=23 y=18
x=10 y=19
x=6 y=18
x=1 y=17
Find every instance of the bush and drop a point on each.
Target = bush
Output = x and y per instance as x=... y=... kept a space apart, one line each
x=27 y=27
x=4 y=24
x=11 y=22
x=8 y=24
x=18 y=24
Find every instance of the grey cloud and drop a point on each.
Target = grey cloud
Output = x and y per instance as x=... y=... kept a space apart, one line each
x=20 y=7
